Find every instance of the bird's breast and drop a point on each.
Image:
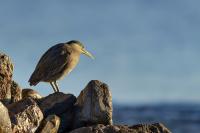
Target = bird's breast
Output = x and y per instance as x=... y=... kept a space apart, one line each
x=73 y=61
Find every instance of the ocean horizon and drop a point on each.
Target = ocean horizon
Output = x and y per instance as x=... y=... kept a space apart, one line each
x=177 y=117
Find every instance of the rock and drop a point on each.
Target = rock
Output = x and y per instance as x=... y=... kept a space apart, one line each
x=99 y=128
x=5 y=123
x=83 y=130
x=66 y=121
x=49 y=125
x=6 y=71
x=57 y=103
x=25 y=116
x=94 y=105
x=152 y=128
x=16 y=92
x=30 y=93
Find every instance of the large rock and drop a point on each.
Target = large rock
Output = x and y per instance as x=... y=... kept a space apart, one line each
x=57 y=103
x=5 y=123
x=6 y=70
x=61 y=105
x=94 y=105
x=16 y=92
x=49 y=125
x=151 y=128
x=25 y=116
x=30 y=93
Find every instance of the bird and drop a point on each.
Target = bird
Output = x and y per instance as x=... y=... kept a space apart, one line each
x=57 y=62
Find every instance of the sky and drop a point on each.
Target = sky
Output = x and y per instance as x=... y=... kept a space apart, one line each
x=147 y=51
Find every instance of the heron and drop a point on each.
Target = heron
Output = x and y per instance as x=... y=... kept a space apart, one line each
x=57 y=62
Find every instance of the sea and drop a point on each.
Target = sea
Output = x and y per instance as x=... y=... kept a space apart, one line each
x=178 y=118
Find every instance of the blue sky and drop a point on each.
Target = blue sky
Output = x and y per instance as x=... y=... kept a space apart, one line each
x=146 y=51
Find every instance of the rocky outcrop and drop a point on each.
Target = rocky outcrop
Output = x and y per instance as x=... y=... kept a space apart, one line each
x=151 y=128
x=25 y=116
x=25 y=111
x=57 y=103
x=5 y=123
x=30 y=93
x=94 y=105
x=6 y=72
x=62 y=105
x=49 y=125
x=16 y=92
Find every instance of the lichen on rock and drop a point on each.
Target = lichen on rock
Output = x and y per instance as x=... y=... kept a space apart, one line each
x=16 y=92
x=25 y=116
x=6 y=72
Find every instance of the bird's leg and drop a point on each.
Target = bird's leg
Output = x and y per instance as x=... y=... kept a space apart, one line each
x=53 y=86
x=56 y=85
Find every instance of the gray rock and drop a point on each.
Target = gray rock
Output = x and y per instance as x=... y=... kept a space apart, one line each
x=94 y=105
x=5 y=123
x=25 y=116
x=16 y=92
x=57 y=103
x=151 y=128
x=30 y=93
x=49 y=125
x=6 y=71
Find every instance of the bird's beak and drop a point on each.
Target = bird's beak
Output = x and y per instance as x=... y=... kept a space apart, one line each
x=85 y=52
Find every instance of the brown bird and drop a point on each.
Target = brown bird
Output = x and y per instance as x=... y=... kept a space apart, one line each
x=57 y=62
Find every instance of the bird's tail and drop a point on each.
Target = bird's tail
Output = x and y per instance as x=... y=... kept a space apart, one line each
x=33 y=81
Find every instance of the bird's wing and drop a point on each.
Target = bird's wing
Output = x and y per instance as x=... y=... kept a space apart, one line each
x=51 y=62
x=49 y=54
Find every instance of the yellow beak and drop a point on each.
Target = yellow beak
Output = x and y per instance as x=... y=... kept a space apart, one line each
x=85 y=52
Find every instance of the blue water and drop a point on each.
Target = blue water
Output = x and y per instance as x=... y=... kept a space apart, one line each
x=179 y=118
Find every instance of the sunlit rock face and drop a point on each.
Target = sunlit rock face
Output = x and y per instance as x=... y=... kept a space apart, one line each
x=6 y=72
x=25 y=115
x=94 y=105
x=5 y=123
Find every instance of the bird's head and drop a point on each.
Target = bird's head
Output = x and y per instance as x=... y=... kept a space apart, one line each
x=79 y=47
